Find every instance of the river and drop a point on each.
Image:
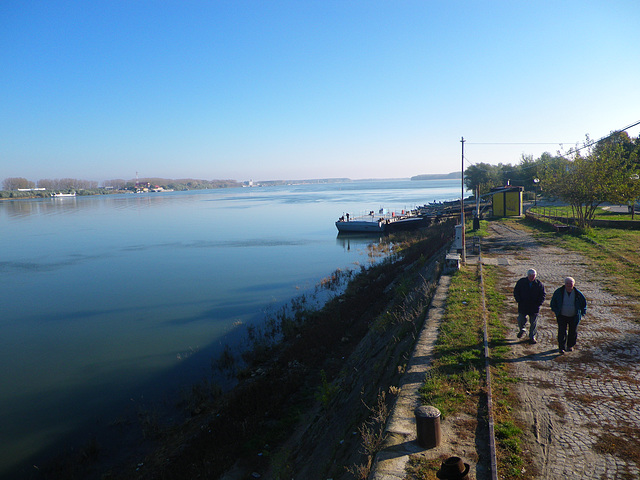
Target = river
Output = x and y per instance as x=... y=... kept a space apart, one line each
x=117 y=299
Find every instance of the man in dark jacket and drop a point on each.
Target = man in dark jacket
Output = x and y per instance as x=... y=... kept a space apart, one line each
x=569 y=305
x=529 y=293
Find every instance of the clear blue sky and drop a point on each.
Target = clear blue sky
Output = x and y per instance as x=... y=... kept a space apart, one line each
x=102 y=89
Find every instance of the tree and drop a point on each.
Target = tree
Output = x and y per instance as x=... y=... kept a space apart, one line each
x=604 y=174
x=621 y=139
x=17 y=182
x=626 y=183
x=526 y=172
x=67 y=184
x=118 y=183
x=484 y=176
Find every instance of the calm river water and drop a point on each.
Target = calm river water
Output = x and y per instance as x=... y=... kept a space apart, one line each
x=115 y=299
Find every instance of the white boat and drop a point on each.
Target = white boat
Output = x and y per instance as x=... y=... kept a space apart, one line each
x=382 y=222
x=58 y=195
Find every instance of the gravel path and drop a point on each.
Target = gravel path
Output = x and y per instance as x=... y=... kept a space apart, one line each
x=582 y=408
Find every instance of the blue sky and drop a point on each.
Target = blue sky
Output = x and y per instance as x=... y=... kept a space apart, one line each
x=291 y=90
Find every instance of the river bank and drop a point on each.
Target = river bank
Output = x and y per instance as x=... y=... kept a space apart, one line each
x=332 y=364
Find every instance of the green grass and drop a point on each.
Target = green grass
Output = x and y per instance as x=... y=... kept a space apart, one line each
x=564 y=210
x=600 y=213
x=455 y=377
x=455 y=382
x=483 y=231
x=625 y=243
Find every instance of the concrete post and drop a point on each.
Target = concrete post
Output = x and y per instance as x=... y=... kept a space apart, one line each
x=428 y=426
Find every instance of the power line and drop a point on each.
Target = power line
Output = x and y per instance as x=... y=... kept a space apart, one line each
x=557 y=143
x=607 y=136
x=516 y=143
x=472 y=163
x=627 y=127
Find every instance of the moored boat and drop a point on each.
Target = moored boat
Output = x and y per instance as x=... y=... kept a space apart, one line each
x=382 y=222
x=59 y=194
x=407 y=223
x=361 y=226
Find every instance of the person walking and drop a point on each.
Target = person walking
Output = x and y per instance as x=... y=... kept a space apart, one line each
x=569 y=305
x=529 y=293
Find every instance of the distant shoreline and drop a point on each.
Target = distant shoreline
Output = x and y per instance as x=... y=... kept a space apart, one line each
x=169 y=185
x=438 y=176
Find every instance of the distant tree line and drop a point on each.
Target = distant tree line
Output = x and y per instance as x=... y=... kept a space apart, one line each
x=17 y=183
x=179 y=184
x=14 y=187
x=310 y=181
x=584 y=177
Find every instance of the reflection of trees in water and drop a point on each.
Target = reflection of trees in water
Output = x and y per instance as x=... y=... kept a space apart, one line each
x=24 y=208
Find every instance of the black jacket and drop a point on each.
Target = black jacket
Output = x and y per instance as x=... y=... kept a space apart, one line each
x=529 y=298
x=580 y=302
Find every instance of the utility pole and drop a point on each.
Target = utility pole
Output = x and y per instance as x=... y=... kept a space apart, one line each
x=464 y=248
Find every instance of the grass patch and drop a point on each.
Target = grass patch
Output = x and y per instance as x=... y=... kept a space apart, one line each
x=482 y=232
x=600 y=213
x=566 y=211
x=558 y=408
x=454 y=380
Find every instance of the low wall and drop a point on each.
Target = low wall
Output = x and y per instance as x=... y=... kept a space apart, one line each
x=621 y=224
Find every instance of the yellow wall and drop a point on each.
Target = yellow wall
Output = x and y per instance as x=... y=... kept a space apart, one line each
x=498 y=204
x=507 y=204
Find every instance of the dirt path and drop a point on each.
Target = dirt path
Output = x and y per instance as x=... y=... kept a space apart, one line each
x=582 y=409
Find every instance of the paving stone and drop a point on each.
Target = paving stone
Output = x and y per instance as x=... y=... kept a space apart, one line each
x=598 y=384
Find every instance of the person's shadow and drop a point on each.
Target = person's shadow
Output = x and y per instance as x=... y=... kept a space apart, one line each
x=535 y=356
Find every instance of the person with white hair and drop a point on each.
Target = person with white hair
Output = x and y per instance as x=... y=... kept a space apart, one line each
x=569 y=305
x=529 y=293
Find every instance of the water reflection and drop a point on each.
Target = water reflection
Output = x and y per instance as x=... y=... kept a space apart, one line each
x=357 y=240
x=24 y=208
x=60 y=205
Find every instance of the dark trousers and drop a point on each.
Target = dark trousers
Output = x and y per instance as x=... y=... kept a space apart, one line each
x=567 y=341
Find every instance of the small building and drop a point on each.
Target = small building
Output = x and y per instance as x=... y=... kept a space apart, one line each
x=507 y=201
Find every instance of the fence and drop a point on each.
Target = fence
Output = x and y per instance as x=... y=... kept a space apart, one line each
x=566 y=222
